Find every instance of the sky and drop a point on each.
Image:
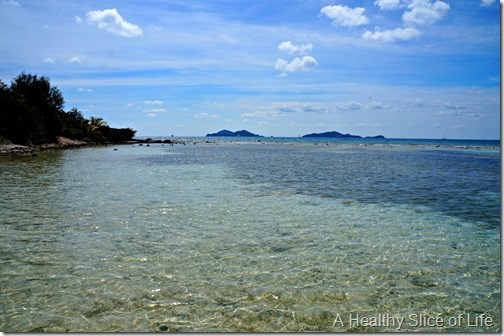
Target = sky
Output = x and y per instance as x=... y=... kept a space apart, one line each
x=400 y=68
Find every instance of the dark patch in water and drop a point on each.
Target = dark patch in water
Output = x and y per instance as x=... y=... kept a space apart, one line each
x=461 y=184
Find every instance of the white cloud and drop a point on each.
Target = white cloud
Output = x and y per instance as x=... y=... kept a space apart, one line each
x=81 y=89
x=297 y=64
x=263 y=113
x=452 y=106
x=349 y=106
x=12 y=3
x=151 y=115
x=388 y=4
x=205 y=115
x=112 y=21
x=153 y=102
x=298 y=107
x=468 y=115
x=282 y=109
x=78 y=19
x=391 y=35
x=487 y=3
x=345 y=16
x=49 y=60
x=425 y=12
x=155 y=110
x=375 y=105
x=417 y=102
x=74 y=60
x=292 y=48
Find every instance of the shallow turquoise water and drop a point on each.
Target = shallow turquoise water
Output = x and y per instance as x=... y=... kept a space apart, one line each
x=249 y=237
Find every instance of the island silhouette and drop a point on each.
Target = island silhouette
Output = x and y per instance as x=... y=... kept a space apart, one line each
x=330 y=134
x=227 y=133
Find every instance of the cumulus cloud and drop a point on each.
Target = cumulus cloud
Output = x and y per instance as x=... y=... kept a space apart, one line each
x=304 y=63
x=49 y=60
x=423 y=12
x=112 y=21
x=487 y=3
x=77 y=19
x=297 y=64
x=292 y=48
x=345 y=16
x=391 y=35
x=388 y=4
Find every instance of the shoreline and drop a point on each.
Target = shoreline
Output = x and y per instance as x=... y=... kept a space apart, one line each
x=13 y=150
x=16 y=150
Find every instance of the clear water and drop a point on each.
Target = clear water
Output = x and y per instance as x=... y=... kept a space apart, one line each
x=250 y=237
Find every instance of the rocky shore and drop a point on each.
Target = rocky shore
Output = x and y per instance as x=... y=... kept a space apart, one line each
x=8 y=148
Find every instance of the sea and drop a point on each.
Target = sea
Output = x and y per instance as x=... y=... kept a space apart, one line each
x=253 y=235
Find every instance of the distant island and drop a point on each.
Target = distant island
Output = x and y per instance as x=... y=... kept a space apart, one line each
x=331 y=134
x=334 y=134
x=227 y=133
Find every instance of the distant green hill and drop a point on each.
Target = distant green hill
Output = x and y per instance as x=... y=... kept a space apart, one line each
x=227 y=133
x=334 y=134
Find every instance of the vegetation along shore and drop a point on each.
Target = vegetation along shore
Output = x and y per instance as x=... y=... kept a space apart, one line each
x=33 y=119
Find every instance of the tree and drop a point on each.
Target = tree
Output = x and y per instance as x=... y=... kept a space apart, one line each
x=117 y=135
x=6 y=106
x=96 y=123
x=75 y=126
x=19 y=122
x=41 y=106
x=31 y=112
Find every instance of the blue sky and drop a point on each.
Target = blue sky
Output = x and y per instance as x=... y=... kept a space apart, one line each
x=401 y=68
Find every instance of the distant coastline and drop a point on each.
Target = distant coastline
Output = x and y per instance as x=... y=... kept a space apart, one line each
x=227 y=133
x=10 y=148
x=335 y=134
x=330 y=134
